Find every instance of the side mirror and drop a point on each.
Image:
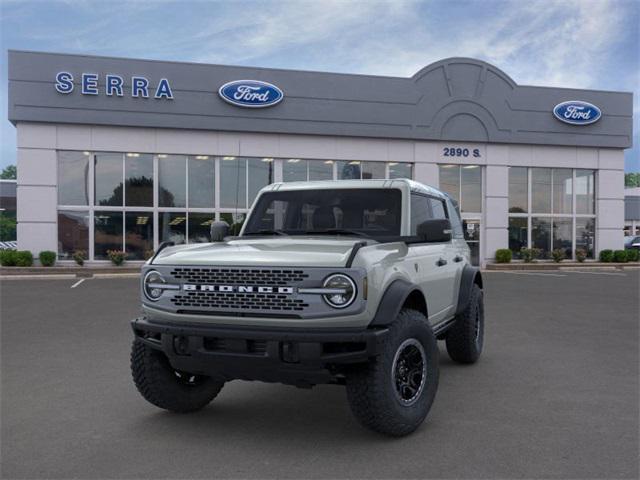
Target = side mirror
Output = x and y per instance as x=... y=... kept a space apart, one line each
x=219 y=230
x=436 y=230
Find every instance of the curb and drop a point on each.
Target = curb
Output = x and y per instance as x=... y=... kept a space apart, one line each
x=79 y=272
x=497 y=267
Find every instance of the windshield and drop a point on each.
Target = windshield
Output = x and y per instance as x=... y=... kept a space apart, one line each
x=374 y=213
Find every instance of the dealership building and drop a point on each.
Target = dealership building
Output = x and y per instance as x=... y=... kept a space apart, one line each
x=124 y=154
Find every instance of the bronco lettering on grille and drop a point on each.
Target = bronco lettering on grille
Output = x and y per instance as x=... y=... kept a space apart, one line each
x=188 y=287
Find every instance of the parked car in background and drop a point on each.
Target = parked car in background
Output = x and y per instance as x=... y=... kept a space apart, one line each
x=632 y=241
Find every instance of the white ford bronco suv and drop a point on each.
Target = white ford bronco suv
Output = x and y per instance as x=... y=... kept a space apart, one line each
x=343 y=282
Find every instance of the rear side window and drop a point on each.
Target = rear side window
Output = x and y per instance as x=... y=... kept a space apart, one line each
x=420 y=211
x=438 y=209
x=454 y=218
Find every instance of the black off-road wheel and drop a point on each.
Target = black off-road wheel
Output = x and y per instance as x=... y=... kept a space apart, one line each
x=394 y=393
x=466 y=337
x=163 y=386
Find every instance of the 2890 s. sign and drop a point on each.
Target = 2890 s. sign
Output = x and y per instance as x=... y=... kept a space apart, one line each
x=577 y=112
x=250 y=93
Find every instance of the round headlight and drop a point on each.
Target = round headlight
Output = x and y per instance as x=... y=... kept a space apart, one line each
x=150 y=285
x=343 y=291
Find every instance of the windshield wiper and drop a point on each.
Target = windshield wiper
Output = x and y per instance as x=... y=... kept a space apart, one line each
x=265 y=232
x=336 y=231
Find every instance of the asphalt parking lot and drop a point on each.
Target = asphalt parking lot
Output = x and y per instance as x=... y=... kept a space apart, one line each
x=555 y=395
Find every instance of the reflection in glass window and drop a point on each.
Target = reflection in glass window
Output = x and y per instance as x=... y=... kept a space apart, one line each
x=471 y=188
x=585 y=235
x=518 y=190
x=234 y=220
x=373 y=170
x=107 y=233
x=200 y=227
x=541 y=235
x=585 y=191
x=172 y=227
x=138 y=173
x=139 y=235
x=294 y=170
x=541 y=190
x=400 y=170
x=349 y=170
x=320 y=169
x=517 y=235
x=450 y=181
x=108 y=179
x=260 y=175
x=73 y=233
x=233 y=183
x=172 y=188
x=562 y=190
x=73 y=178
x=562 y=235
x=202 y=177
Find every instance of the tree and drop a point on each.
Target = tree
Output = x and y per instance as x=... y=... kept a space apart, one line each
x=9 y=172
x=632 y=180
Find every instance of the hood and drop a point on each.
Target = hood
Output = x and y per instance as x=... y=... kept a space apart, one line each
x=263 y=251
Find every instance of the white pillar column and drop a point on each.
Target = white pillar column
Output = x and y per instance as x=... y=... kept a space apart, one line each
x=37 y=188
x=496 y=210
x=610 y=200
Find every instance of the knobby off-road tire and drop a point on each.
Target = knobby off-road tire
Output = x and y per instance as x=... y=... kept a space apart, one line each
x=466 y=337
x=384 y=399
x=164 y=387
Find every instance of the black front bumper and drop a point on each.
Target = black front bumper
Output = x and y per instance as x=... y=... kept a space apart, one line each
x=250 y=353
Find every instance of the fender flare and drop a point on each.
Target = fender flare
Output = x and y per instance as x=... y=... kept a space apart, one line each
x=392 y=301
x=470 y=275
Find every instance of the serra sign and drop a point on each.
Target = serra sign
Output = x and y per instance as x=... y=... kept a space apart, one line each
x=577 y=112
x=250 y=93
x=113 y=85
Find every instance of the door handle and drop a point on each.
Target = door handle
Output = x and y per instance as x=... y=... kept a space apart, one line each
x=441 y=262
x=457 y=258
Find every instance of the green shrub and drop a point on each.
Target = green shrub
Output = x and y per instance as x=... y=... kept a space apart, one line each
x=24 y=258
x=581 y=254
x=503 y=255
x=526 y=254
x=606 y=255
x=558 y=255
x=620 y=256
x=80 y=256
x=633 y=255
x=117 y=257
x=47 y=258
x=8 y=258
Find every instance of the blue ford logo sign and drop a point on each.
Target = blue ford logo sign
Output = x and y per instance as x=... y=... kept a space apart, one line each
x=577 y=112
x=250 y=93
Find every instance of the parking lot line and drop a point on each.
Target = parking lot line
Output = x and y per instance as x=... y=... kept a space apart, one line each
x=78 y=283
x=534 y=273
x=599 y=273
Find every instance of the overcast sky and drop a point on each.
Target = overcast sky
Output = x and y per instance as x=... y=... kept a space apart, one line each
x=566 y=43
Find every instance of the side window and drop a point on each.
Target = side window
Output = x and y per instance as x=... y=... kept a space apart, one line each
x=454 y=218
x=437 y=206
x=420 y=211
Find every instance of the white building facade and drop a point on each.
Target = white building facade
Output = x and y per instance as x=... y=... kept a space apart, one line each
x=114 y=171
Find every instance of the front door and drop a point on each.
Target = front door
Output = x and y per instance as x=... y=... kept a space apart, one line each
x=472 y=236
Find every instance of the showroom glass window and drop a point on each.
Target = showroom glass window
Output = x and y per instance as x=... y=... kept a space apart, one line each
x=464 y=184
x=133 y=201
x=73 y=178
x=551 y=208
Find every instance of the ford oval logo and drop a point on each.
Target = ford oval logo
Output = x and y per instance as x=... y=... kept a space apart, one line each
x=251 y=93
x=577 y=112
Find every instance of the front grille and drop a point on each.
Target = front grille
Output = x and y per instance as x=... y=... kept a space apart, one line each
x=238 y=301
x=235 y=276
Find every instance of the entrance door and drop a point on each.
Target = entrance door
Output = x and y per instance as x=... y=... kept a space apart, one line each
x=472 y=236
